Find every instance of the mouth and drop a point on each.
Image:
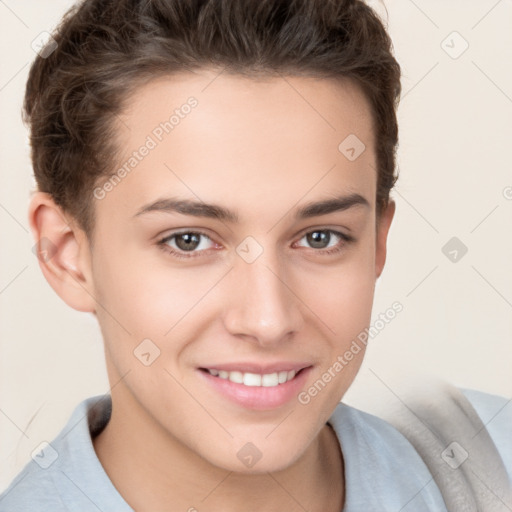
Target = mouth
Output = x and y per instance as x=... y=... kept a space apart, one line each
x=257 y=388
x=250 y=379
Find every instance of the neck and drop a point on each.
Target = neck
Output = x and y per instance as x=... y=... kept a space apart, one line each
x=155 y=472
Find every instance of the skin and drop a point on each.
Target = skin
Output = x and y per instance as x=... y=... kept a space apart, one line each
x=260 y=148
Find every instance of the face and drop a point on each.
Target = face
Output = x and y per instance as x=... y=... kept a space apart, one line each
x=220 y=321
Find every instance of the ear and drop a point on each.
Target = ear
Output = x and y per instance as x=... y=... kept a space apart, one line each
x=63 y=252
x=382 y=235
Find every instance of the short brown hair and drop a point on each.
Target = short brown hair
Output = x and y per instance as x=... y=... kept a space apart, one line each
x=107 y=48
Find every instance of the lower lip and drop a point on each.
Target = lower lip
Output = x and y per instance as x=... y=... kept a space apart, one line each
x=259 y=398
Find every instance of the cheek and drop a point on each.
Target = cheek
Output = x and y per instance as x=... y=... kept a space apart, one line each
x=342 y=295
x=145 y=298
x=142 y=291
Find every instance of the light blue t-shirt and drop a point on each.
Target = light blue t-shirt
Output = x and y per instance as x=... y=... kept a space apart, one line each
x=383 y=471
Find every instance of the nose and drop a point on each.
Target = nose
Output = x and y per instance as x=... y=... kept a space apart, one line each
x=263 y=305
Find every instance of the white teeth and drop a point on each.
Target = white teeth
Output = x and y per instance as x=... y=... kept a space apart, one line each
x=254 y=379
x=237 y=377
x=270 y=379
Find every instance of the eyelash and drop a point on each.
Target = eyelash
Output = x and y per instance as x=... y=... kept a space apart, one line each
x=162 y=243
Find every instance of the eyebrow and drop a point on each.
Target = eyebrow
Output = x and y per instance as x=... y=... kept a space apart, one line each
x=214 y=211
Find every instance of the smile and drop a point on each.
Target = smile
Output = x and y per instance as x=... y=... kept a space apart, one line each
x=267 y=380
x=274 y=387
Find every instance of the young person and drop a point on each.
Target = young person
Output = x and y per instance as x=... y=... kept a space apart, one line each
x=214 y=185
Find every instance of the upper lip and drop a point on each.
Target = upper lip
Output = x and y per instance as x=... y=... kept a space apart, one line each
x=258 y=368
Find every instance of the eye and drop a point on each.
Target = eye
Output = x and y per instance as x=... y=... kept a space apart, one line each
x=189 y=244
x=184 y=242
x=321 y=238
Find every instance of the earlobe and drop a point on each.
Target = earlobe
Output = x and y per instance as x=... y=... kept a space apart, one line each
x=63 y=252
x=382 y=236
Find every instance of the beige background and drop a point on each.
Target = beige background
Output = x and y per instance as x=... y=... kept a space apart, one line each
x=455 y=180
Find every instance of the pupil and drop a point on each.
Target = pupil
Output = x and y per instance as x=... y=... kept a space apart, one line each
x=317 y=238
x=191 y=241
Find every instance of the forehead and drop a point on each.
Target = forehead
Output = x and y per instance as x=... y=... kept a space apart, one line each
x=215 y=136
x=228 y=102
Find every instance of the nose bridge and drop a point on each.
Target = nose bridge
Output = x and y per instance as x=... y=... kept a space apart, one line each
x=263 y=306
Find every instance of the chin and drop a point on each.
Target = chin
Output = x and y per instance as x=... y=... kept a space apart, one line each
x=249 y=459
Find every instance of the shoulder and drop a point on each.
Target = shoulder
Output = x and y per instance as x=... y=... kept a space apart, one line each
x=496 y=414
x=370 y=432
x=371 y=437
x=396 y=458
x=383 y=471
x=66 y=474
x=34 y=488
